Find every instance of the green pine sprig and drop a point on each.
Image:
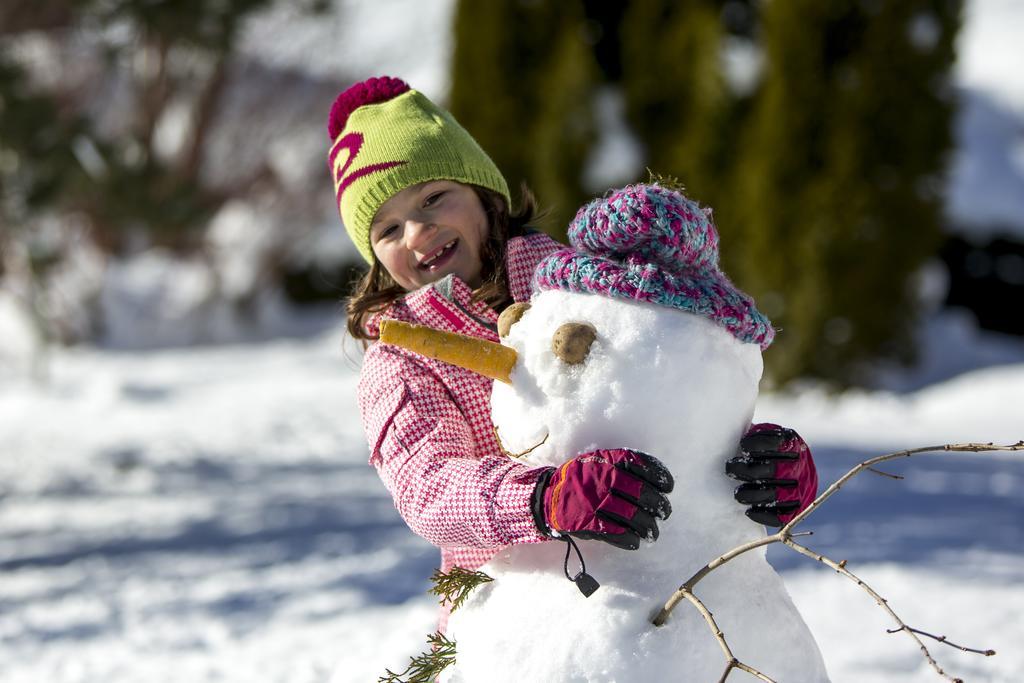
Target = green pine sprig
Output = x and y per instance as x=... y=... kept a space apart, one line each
x=667 y=181
x=425 y=668
x=455 y=586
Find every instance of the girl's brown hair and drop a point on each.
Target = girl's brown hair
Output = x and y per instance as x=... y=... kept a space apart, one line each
x=376 y=290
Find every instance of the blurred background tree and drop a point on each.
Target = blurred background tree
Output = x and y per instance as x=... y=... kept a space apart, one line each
x=818 y=131
x=676 y=93
x=837 y=202
x=111 y=146
x=522 y=82
x=162 y=178
x=118 y=174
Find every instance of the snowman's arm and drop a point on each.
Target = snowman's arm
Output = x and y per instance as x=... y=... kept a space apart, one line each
x=423 y=449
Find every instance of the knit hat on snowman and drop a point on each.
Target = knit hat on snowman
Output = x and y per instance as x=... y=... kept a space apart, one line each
x=651 y=244
x=385 y=137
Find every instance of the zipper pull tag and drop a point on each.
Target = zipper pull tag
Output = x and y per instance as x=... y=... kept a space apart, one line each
x=586 y=583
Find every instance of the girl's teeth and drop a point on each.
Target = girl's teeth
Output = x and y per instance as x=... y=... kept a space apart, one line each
x=441 y=251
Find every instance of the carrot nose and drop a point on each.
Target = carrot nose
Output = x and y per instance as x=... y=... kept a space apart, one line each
x=479 y=355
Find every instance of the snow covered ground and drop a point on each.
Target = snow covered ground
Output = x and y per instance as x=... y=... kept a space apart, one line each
x=208 y=515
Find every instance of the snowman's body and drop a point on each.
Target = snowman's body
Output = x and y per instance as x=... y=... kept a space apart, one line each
x=681 y=388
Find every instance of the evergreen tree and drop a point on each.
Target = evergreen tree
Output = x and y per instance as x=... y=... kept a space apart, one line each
x=37 y=162
x=836 y=204
x=178 y=52
x=823 y=176
x=522 y=85
x=89 y=168
x=676 y=99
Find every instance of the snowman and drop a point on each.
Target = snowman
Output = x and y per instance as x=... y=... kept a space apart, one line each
x=633 y=339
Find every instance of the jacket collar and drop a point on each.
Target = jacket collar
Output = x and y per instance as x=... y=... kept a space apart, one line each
x=448 y=303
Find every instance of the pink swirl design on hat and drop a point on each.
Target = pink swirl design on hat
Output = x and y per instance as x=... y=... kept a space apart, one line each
x=353 y=142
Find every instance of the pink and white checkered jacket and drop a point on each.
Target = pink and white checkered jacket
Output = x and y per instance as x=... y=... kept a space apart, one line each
x=428 y=424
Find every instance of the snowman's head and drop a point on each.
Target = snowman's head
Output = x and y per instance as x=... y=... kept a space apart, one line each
x=634 y=337
x=651 y=378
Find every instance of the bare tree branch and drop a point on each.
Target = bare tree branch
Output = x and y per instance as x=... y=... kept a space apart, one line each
x=20 y=16
x=730 y=658
x=882 y=602
x=960 y=447
x=941 y=639
x=154 y=89
x=885 y=474
x=687 y=587
x=516 y=456
x=785 y=536
x=202 y=118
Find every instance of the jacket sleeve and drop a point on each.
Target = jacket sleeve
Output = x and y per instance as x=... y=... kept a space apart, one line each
x=423 y=449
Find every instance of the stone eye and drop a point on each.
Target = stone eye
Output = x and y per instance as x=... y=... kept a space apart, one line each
x=571 y=342
x=510 y=316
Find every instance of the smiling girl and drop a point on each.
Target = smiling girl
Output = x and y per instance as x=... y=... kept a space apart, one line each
x=431 y=215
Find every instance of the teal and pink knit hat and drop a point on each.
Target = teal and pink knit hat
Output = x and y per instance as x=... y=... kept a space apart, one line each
x=650 y=243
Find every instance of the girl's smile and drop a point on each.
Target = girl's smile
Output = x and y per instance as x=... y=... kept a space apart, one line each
x=440 y=257
x=428 y=231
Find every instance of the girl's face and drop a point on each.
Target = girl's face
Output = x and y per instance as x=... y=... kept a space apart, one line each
x=428 y=231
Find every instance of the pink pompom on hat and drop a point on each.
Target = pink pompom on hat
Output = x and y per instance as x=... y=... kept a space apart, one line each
x=370 y=91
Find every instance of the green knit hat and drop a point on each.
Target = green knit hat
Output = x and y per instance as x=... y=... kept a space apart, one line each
x=387 y=137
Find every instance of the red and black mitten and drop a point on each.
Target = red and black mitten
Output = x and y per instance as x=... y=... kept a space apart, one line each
x=613 y=495
x=780 y=479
